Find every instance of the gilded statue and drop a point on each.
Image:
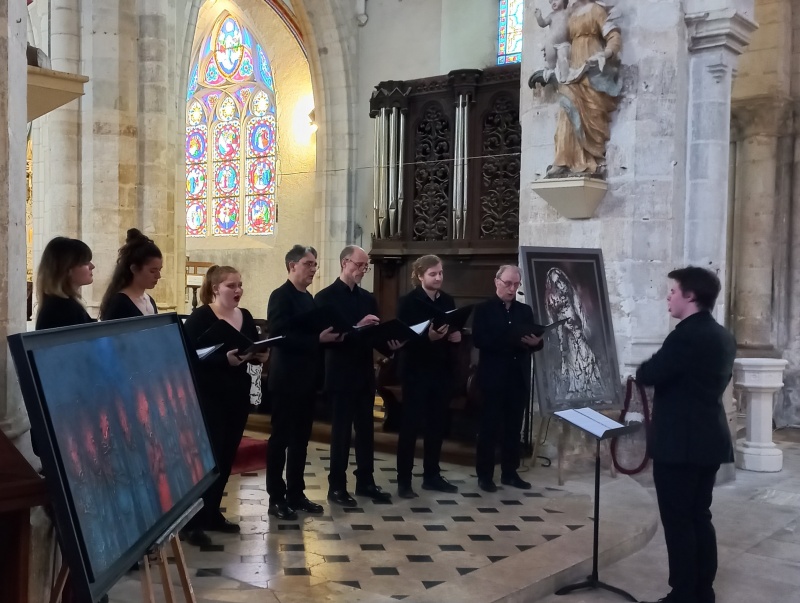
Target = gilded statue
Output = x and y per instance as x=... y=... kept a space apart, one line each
x=582 y=63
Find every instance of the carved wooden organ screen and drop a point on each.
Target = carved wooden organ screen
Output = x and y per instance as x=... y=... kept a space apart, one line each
x=447 y=158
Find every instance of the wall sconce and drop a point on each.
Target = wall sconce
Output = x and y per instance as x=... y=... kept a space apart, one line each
x=312 y=122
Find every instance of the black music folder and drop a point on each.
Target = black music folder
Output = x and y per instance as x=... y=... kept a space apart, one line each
x=223 y=334
x=378 y=336
x=520 y=331
x=454 y=319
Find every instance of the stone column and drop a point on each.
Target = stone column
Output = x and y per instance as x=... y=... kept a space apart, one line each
x=110 y=134
x=760 y=122
x=156 y=200
x=13 y=138
x=717 y=38
x=759 y=378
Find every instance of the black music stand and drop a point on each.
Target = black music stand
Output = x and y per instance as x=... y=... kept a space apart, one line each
x=601 y=428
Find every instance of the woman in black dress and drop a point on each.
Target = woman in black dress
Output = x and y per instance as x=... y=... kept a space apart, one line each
x=223 y=388
x=66 y=266
x=138 y=269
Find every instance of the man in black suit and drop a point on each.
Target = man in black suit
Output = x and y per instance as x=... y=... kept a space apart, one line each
x=504 y=377
x=292 y=382
x=426 y=373
x=689 y=436
x=350 y=381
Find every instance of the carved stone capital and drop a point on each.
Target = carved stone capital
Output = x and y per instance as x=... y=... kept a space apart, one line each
x=761 y=116
x=727 y=29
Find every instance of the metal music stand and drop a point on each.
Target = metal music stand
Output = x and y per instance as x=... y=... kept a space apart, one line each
x=601 y=428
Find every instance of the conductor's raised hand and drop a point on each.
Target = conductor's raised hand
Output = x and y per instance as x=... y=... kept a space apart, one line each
x=328 y=336
x=368 y=321
x=531 y=340
x=454 y=337
x=437 y=334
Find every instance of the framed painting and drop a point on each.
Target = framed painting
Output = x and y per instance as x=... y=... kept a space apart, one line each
x=116 y=421
x=578 y=366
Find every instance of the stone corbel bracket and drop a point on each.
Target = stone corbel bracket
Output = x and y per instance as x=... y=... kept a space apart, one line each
x=574 y=198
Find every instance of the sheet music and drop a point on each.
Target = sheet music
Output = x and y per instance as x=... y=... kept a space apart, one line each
x=419 y=328
x=203 y=352
x=589 y=420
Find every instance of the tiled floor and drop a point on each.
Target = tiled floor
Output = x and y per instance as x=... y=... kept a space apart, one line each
x=372 y=552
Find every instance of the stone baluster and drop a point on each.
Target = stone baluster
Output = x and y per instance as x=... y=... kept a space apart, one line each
x=759 y=379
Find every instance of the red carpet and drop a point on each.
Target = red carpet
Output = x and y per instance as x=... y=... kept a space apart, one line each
x=251 y=456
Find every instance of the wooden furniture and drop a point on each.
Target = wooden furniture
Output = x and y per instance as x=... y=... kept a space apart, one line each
x=22 y=489
x=195 y=272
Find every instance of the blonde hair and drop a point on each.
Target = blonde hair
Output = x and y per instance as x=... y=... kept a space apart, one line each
x=214 y=276
x=421 y=266
x=60 y=255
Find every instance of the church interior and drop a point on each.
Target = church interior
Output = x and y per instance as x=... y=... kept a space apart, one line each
x=228 y=131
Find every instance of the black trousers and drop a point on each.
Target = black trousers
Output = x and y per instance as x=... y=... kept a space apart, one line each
x=502 y=412
x=352 y=410
x=225 y=428
x=684 y=494
x=426 y=401
x=292 y=418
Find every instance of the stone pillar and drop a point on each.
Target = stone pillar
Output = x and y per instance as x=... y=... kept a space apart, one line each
x=759 y=123
x=60 y=146
x=156 y=200
x=13 y=140
x=759 y=379
x=717 y=38
x=110 y=134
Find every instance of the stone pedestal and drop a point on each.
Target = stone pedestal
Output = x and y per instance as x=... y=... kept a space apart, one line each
x=759 y=378
x=574 y=198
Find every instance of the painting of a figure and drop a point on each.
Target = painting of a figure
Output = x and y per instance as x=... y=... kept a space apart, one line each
x=578 y=365
x=122 y=438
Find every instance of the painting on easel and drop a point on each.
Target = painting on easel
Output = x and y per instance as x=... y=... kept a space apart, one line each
x=578 y=366
x=116 y=421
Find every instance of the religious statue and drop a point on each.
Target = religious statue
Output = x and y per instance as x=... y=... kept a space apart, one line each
x=583 y=65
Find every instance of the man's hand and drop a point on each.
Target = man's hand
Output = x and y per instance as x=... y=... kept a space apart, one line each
x=454 y=337
x=262 y=357
x=328 y=336
x=235 y=360
x=368 y=320
x=437 y=334
x=395 y=345
x=531 y=340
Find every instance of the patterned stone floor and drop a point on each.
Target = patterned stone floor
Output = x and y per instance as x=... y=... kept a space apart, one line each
x=406 y=550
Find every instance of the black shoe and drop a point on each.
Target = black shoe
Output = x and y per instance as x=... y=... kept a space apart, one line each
x=220 y=524
x=282 y=511
x=515 y=481
x=487 y=485
x=341 y=497
x=305 y=505
x=406 y=491
x=438 y=483
x=196 y=537
x=374 y=492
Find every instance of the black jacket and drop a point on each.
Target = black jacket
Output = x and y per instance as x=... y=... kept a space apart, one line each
x=690 y=373
x=293 y=363
x=57 y=311
x=349 y=364
x=422 y=357
x=219 y=383
x=503 y=362
x=122 y=306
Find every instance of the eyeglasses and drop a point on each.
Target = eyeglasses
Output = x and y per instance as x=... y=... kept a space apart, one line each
x=363 y=266
x=512 y=284
x=309 y=264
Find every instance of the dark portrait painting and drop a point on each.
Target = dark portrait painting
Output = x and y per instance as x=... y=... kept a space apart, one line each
x=578 y=365
x=116 y=420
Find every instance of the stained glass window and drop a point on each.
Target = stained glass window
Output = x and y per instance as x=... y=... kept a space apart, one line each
x=230 y=136
x=509 y=38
